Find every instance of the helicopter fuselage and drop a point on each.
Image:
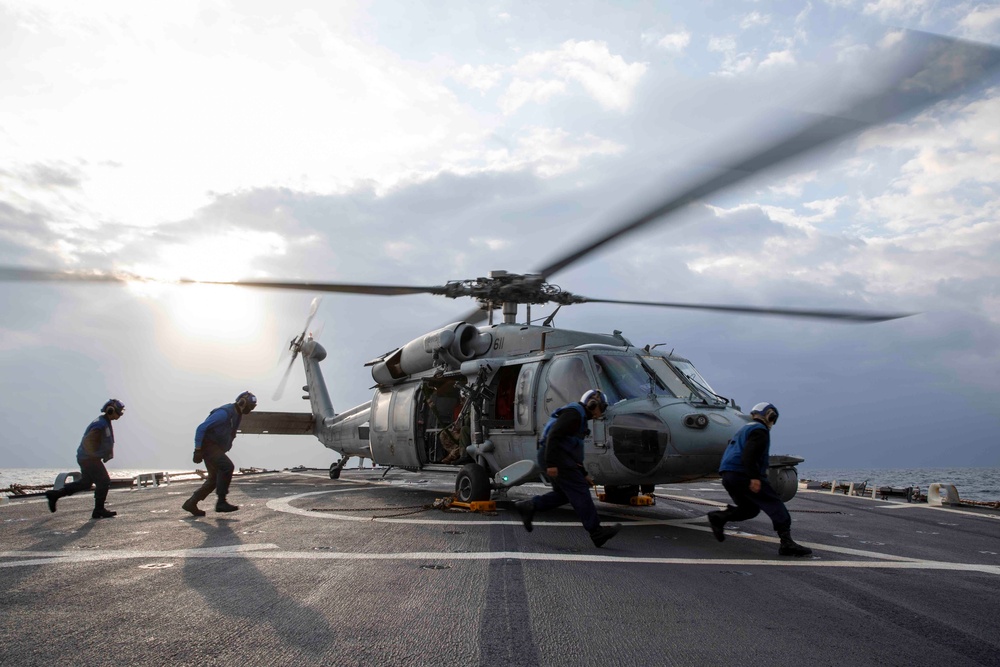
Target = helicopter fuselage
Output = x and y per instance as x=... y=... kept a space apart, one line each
x=495 y=386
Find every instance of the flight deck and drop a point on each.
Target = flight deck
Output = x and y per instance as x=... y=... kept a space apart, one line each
x=370 y=570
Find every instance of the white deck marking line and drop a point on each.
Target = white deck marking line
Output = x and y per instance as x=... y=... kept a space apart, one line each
x=268 y=552
x=284 y=505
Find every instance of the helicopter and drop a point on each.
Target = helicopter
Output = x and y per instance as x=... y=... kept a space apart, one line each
x=491 y=386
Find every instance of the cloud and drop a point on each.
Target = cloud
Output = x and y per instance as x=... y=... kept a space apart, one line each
x=521 y=92
x=607 y=78
x=793 y=185
x=753 y=20
x=896 y=9
x=981 y=22
x=950 y=173
x=481 y=77
x=778 y=59
x=734 y=62
x=674 y=42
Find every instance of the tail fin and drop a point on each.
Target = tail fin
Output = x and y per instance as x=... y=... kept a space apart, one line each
x=319 y=397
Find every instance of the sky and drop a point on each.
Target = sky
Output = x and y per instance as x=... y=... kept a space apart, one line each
x=422 y=142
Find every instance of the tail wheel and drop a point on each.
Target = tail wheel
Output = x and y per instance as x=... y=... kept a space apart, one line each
x=472 y=483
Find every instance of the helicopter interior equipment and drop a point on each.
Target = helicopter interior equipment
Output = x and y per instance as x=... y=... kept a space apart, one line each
x=489 y=387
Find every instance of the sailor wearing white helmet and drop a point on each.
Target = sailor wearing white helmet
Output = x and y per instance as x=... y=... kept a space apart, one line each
x=744 y=474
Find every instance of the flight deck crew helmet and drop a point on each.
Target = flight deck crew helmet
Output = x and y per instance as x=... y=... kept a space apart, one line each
x=767 y=412
x=246 y=402
x=594 y=399
x=113 y=407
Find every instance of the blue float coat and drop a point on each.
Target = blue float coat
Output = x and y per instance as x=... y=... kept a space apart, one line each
x=560 y=446
x=100 y=445
x=732 y=458
x=219 y=429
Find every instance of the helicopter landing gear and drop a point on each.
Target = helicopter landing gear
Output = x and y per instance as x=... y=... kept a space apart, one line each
x=335 y=468
x=472 y=484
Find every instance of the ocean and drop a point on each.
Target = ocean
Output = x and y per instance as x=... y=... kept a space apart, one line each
x=972 y=483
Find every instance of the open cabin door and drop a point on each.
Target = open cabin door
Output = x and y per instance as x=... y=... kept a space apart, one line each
x=394 y=427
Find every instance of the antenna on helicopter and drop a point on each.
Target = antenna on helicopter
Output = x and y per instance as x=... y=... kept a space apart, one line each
x=548 y=320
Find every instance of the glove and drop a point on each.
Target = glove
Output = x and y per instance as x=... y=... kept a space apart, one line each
x=197 y=458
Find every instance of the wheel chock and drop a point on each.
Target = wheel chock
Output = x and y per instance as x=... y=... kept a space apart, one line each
x=477 y=505
x=474 y=506
x=642 y=500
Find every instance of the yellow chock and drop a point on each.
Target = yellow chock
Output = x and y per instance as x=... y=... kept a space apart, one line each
x=475 y=505
x=642 y=500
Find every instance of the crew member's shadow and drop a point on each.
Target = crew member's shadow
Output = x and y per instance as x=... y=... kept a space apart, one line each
x=219 y=580
x=51 y=540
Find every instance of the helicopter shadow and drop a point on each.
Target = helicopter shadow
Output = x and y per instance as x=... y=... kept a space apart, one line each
x=300 y=627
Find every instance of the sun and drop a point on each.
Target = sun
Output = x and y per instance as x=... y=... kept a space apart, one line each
x=208 y=312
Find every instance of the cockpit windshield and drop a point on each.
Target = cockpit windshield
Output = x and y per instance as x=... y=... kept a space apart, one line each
x=683 y=379
x=625 y=376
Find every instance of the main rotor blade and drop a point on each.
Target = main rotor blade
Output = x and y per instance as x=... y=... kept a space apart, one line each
x=14 y=273
x=936 y=67
x=845 y=315
x=344 y=288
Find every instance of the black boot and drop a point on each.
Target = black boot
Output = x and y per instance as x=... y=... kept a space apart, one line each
x=790 y=548
x=526 y=508
x=53 y=496
x=223 y=506
x=100 y=495
x=604 y=533
x=191 y=505
x=717 y=520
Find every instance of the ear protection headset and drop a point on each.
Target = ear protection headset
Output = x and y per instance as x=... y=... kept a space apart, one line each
x=594 y=399
x=246 y=402
x=767 y=411
x=113 y=407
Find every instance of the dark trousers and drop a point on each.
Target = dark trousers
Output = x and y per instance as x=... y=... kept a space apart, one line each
x=92 y=473
x=570 y=487
x=220 y=474
x=749 y=505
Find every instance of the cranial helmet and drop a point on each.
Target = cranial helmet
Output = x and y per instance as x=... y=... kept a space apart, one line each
x=593 y=399
x=246 y=402
x=767 y=411
x=113 y=406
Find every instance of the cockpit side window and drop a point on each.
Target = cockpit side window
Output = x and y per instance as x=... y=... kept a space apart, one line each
x=567 y=380
x=685 y=377
x=668 y=376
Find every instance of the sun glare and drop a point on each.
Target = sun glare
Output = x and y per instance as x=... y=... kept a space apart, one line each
x=209 y=312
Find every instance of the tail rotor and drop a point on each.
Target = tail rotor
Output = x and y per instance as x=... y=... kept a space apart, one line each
x=295 y=346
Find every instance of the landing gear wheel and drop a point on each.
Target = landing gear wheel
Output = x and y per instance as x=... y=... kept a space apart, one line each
x=472 y=483
x=335 y=469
